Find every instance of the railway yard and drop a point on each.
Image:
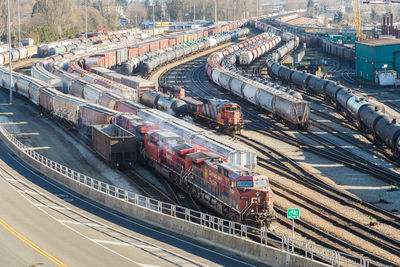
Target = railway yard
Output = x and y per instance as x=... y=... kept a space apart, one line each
x=311 y=149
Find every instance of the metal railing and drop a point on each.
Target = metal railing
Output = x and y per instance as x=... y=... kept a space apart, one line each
x=251 y=234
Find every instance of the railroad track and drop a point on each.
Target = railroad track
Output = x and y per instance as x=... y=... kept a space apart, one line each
x=345 y=156
x=255 y=70
x=290 y=169
x=142 y=184
x=194 y=73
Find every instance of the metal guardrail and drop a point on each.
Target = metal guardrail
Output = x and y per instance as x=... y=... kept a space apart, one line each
x=285 y=243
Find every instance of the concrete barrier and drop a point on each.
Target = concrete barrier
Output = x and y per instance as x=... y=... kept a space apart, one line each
x=233 y=243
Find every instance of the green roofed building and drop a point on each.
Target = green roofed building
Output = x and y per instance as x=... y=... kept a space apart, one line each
x=377 y=55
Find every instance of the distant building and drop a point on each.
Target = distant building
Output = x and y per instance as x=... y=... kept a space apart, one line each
x=377 y=55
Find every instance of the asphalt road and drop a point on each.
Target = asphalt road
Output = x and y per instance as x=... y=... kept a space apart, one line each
x=44 y=224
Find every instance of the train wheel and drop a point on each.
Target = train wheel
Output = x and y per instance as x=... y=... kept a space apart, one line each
x=377 y=140
x=396 y=154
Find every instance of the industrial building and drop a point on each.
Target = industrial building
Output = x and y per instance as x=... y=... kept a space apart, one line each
x=376 y=56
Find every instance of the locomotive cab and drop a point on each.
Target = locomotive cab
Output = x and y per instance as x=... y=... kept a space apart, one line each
x=256 y=199
x=231 y=116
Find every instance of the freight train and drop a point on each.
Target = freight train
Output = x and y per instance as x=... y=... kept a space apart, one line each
x=293 y=110
x=249 y=55
x=152 y=63
x=369 y=118
x=233 y=191
x=18 y=54
x=218 y=114
x=317 y=41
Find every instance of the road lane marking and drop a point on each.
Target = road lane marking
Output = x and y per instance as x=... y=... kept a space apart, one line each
x=82 y=223
x=29 y=192
x=52 y=207
x=127 y=244
x=31 y=244
x=127 y=220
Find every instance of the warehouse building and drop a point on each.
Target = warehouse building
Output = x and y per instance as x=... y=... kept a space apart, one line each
x=374 y=57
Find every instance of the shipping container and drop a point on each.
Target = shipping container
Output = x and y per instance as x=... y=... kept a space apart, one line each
x=46 y=98
x=93 y=62
x=154 y=45
x=141 y=85
x=122 y=55
x=143 y=48
x=133 y=52
x=76 y=88
x=116 y=77
x=100 y=71
x=92 y=114
x=130 y=106
x=163 y=43
x=67 y=107
x=109 y=100
x=171 y=41
x=114 y=144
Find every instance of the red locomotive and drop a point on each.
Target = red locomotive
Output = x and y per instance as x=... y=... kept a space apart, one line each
x=217 y=114
x=234 y=192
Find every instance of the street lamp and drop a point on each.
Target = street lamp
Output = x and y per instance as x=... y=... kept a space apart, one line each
x=9 y=50
x=215 y=11
x=86 y=41
x=194 y=10
x=19 y=26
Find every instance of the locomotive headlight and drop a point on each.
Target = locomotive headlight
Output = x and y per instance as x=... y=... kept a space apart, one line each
x=257 y=193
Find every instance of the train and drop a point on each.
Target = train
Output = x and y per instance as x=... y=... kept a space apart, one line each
x=226 y=116
x=150 y=64
x=370 y=118
x=293 y=110
x=317 y=41
x=247 y=56
x=218 y=114
x=235 y=192
x=18 y=54
x=220 y=173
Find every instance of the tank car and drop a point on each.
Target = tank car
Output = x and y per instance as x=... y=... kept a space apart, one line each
x=387 y=132
x=164 y=102
x=353 y=106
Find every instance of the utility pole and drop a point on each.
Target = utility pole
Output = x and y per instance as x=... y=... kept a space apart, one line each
x=154 y=21
x=136 y=15
x=204 y=10
x=194 y=10
x=86 y=34
x=215 y=11
x=9 y=50
x=19 y=26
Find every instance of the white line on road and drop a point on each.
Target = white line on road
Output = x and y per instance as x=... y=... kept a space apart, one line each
x=82 y=223
x=124 y=244
x=132 y=222
x=29 y=192
x=51 y=207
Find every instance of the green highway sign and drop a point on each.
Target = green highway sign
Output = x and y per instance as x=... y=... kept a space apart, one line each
x=293 y=213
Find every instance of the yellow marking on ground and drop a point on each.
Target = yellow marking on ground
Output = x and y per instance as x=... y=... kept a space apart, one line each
x=31 y=244
x=6 y=113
